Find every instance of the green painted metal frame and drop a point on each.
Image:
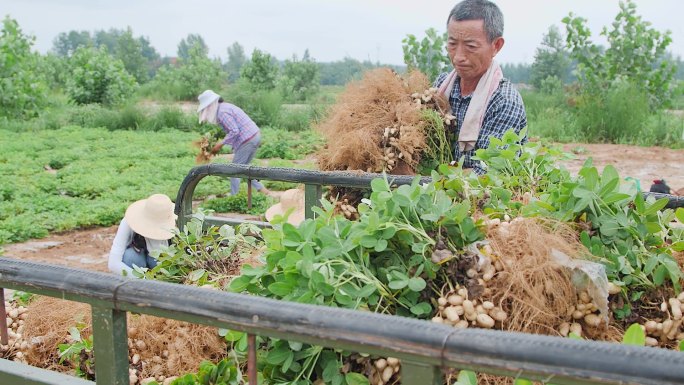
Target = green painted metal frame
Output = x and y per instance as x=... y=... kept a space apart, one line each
x=12 y=373
x=424 y=347
x=313 y=181
x=313 y=186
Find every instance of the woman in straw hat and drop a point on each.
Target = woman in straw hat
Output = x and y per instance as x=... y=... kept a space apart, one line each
x=291 y=205
x=242 y=134
x=147 y=226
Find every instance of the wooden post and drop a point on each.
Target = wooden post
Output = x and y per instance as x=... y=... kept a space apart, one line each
x=110 y=345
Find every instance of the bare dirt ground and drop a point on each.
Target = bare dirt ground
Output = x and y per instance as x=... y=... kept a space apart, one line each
x=89 y=249
x=642 y=163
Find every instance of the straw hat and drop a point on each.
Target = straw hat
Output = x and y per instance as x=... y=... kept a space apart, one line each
x=153 y=217
x=206 y=98
x=292 y=202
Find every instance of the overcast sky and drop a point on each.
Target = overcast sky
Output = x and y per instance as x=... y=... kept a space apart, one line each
x=330 y=29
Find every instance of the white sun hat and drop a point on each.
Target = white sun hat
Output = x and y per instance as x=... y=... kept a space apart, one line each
x=206 y=98
x=153 y=217
x=292 y=202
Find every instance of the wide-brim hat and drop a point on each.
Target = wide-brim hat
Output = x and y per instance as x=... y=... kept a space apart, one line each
x=206 y=98
x=153 y=217
x=292 y=202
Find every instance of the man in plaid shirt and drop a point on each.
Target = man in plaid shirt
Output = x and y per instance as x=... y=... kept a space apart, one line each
x=475 y=36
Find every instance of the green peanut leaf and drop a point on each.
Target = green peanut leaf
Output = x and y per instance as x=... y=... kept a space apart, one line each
x=634 y=336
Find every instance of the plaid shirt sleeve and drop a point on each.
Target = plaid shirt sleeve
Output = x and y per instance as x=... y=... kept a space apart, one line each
x=230 y=126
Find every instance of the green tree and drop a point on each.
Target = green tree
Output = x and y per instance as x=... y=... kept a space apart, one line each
x=109 y=38
x=55 y=68
x=551 y=59
x=427 y=55
x=261 y=72
x=192 y=76
x=129 y=50
x=194 y=44
x=236 y=59
x=96 y=77
x=300 y=78
x=139 y=57
x=66 y=43
x=517 y=73
x=342 y=71
x=22 y=88
x=634 y=54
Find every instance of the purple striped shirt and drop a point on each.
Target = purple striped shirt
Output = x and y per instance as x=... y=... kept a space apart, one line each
x=239 y=127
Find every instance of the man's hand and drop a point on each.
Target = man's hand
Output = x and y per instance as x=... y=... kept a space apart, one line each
x=216 y=148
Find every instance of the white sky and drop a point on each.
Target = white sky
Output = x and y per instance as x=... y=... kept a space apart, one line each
x=330 y=29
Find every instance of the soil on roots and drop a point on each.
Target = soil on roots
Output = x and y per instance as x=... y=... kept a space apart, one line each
x=165 y=347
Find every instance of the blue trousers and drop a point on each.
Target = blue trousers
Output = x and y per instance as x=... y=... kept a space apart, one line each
x=133 y=257
x=244 y=155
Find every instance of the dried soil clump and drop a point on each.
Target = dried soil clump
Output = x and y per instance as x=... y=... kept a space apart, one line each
x=377 y=124
x=535 y=291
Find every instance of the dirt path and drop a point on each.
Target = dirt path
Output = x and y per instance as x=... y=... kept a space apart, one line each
x=81 y=249
x=643 y=163
x=89 y=249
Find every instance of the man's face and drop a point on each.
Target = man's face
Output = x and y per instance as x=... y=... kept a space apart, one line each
x=469 y=50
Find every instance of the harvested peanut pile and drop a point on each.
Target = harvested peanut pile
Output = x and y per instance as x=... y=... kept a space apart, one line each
x=522 y=287
x=158 y=348
x=380 y=124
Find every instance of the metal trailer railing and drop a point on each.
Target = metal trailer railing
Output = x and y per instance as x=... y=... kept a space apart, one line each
x=312 y=180
x=425 y=348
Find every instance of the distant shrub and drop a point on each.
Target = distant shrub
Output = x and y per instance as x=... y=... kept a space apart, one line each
x=187 y=80
x=262 y=106
x=96 y=77
x=616 y=115
x=662 y=129
x=172 y=117
x=296 y=119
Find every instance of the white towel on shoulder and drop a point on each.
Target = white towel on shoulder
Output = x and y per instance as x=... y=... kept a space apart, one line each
x=474 y=117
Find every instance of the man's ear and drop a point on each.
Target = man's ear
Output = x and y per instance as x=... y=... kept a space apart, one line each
x=498 y=43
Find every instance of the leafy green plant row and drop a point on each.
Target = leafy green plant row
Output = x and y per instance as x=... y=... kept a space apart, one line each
x=76 y=177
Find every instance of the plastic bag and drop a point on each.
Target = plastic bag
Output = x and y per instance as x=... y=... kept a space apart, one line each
x=589 y=276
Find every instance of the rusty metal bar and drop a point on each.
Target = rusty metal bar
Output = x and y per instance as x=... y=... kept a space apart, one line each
x=251 y=360
x=249 y=193
x=4 y=338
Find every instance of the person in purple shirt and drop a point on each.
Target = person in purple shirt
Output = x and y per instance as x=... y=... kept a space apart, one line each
x=242 y=134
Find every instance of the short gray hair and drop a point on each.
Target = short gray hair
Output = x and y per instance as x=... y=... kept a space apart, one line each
x=480 y=10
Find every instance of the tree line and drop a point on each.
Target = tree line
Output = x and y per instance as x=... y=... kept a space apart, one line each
x=107 y=66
